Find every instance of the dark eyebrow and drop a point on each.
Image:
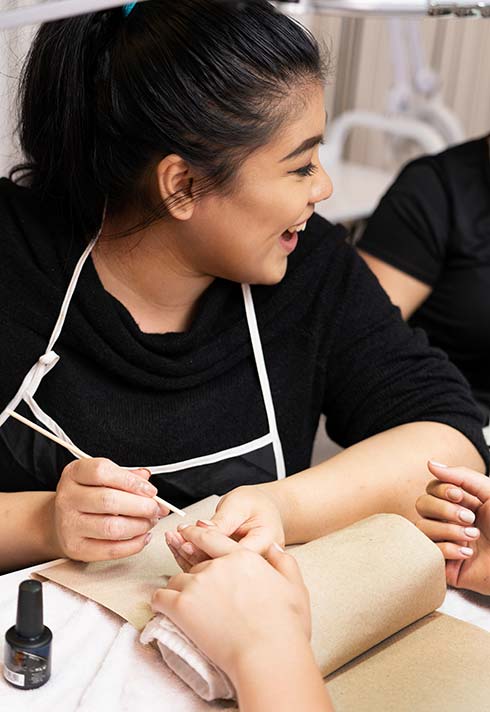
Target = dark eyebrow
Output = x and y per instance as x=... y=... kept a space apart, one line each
x=305 y=146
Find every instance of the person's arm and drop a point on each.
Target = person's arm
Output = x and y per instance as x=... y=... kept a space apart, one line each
x=385 y=473
x=406 y=239
x=405 y=291
x=26 y=529
x=255 y=624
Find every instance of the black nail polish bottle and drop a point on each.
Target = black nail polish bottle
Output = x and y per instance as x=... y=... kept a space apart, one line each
x=28 y=643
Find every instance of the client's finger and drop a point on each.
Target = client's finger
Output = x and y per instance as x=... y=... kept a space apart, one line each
x=433 y=508
x=284 y=563
x=179 y=581
x=451 y=493
x=442 y=531
x=454 y=551
x=473 y=482
x=209 y=540
x=164 y=601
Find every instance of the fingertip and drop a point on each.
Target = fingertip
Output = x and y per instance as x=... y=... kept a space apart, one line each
x=435 y=465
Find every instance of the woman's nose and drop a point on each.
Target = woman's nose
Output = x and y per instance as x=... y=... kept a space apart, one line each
x=322 y=187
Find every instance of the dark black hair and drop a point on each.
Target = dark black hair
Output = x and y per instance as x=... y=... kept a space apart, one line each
x=104 y=97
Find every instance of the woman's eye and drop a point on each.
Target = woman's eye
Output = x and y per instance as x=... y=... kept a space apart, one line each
x=306 y=170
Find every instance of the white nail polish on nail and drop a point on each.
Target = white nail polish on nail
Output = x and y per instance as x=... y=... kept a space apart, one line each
x=437 y=464
x=471 y=531
x=182 y=526
x=278 y=546
x=466 y=550
x=466 y=516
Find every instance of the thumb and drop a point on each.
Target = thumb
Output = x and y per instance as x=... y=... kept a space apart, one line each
x=228 y=519
x=257 y=539
x=284 y=563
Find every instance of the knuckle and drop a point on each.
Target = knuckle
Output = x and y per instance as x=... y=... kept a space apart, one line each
x=108 y=501
x=101 y=469
x=111 y=528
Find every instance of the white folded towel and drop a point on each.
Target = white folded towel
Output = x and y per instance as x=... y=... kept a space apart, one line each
x=187 y=661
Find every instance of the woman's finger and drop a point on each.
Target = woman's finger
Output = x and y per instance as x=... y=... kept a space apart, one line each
x=433 y=508
x=102 y=550
x=100 y=472
x=105 y=500
x=181 y=561
x=208 y=539
x=454 y=551
x=179 y=581
x=164 y=601
x=473 y=482
x=284 y=563
x=451 y=493
x=107 y=526
x=442 y=531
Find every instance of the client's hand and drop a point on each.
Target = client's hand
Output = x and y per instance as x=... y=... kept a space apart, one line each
x=456 y=515
x=238 y=604
x=247 y=514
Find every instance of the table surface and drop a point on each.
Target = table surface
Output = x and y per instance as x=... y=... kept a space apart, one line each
x=100 y=665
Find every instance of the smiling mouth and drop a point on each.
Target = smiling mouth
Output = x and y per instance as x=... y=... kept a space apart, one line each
x=292 y=231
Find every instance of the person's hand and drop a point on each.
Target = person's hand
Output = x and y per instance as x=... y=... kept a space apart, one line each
x=102 y=511
x=455 y=514
x=237 y=604
x=247 y=514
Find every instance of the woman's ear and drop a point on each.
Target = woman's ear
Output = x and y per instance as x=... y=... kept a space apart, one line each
x=175 y=186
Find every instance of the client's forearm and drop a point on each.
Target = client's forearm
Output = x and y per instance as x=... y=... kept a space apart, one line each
x=26 y=529
x=385 y=473
x=283 y=677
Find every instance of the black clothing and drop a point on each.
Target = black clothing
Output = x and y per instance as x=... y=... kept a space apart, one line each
x=434 y=224
x=332 y=343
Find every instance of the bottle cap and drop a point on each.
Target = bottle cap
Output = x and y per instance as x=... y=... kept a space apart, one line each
x=30 y=609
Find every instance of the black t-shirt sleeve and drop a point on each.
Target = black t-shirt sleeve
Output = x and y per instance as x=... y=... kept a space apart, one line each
x=410 y=227
x=382 y=373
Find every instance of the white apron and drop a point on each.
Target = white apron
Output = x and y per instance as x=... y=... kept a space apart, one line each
x=50 y=358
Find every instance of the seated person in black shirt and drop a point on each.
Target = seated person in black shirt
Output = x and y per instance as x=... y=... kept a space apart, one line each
x=203 y=333
x=428 y=242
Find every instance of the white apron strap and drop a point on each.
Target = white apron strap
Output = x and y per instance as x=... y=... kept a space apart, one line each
x=49 y=358
x=264 y=380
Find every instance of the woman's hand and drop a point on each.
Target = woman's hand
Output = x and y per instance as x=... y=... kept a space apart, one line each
x=102 y=511
x=239 y=604
x=247 y=514
x=456 y=515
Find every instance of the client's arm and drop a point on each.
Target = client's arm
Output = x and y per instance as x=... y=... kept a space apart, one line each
x=252 y=618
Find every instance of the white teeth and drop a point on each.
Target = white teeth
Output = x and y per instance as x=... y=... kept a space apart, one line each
x=297 y=229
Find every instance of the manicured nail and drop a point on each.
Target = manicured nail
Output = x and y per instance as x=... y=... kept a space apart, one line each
x=147 y=538
x=187 y=548
x=182 y=526
x=454 y=494
x=466 y=516
x=466 y=551
x=277 y=546
x=206 y=522
x=471 y=531
x=437 y=464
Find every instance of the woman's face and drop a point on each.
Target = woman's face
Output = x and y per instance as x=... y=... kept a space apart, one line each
x=244 y=237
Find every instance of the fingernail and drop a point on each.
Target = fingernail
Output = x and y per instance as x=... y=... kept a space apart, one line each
x=454 y=493
x=437 y=464
x=471 y=531
x=466 y=551
x=206 y=522
x=147 y=538
x=182 y=526
x=187 y=548
x=147 y=488
x=466 y=516
x=277 y=546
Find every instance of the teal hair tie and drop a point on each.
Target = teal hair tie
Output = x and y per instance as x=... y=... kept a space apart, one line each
x=127 y=8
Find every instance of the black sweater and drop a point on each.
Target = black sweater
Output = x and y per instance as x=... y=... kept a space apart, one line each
x=332 y=342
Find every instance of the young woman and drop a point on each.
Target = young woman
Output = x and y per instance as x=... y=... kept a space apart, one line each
x=172 y=162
